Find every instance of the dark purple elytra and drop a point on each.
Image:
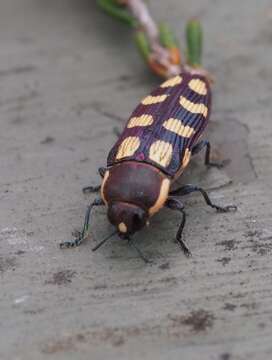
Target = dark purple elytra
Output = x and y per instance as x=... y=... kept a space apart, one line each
x=189 y=102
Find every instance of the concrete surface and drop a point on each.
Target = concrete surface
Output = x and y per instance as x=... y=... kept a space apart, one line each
x=68 y=76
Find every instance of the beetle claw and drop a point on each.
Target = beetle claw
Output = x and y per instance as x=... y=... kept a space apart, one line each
x=71 y=244
x=225 y=209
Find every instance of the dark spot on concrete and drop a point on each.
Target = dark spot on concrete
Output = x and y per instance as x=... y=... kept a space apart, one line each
x=228 y=244
x=7 y=263
x=18 y=70
x=265 y=36
x=225 y=356
x=198 y=321
x=229 y=307
x=117 y=340
x=114 y=336
x=259 y=244
x=58 y=346
x=20 y=252
x=47 y=140
x=63 y=277
x=249 y=306
x=253 y=233
x=262 y=325
x=100 y=286
x=21 y=101
x=84 y=160
x=34 y=312
x=224 y=260
x=169 y=279
x=18 y=120
x=237 y=295
x=80 y=337
x=164 y=266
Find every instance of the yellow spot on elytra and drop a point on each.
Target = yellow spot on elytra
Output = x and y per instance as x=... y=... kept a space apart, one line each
x=163 y=195
x=122 y=227
x=192 y=107
x=176 y=80
x=128 y=147
x=149 y=100
x=143 y=120
x=186 y=158
x=105 y=178
x=198 y=86
x=176 y=126
x=161 y=152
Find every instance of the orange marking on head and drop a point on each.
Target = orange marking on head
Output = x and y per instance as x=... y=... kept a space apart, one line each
x=106 y=176
x=163 y=195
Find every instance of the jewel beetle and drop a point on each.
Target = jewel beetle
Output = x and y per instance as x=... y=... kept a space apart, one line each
x=152 y=152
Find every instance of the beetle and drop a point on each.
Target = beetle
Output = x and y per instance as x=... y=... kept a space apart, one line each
x=152 y=152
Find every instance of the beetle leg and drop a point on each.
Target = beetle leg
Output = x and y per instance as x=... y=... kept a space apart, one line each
x=102 y=171
x=175 y=204
x=188 y=189
x=206 y=144
x=141 y=255
x=85 y=230
x=93 y=189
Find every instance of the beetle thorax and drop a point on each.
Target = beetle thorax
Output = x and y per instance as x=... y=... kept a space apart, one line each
x=133 y=192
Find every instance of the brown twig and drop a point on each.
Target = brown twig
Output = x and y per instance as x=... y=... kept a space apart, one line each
x=160 y=55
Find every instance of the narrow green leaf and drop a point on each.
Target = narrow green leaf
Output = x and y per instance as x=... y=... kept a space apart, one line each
x=142 y=44
x=167 y=37
x=194 y=43
x=116 y=11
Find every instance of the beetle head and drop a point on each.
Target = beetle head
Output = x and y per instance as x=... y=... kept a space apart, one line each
x=128 y=218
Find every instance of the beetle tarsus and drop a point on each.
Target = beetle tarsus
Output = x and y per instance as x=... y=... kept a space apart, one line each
x=184 y=248
x=188 y=189
x=71 y=244
x=224 y=209
x=84 y=233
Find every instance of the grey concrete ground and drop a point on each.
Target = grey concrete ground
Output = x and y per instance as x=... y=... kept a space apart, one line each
x=68 y=76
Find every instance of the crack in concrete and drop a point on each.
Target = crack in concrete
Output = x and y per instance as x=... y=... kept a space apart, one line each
x=96 y=106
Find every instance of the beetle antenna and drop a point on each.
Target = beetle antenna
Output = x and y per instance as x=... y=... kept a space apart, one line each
x=131 y=242
x=103 y=241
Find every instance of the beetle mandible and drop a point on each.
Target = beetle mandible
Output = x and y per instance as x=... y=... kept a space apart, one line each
x=151 y=153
